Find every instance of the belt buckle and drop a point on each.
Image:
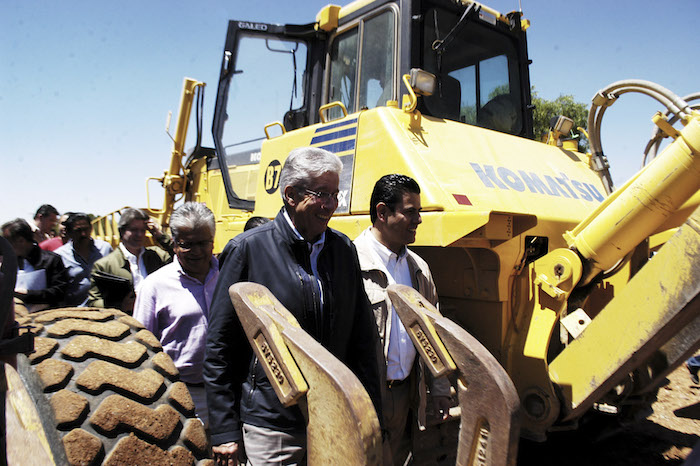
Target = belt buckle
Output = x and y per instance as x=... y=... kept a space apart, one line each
x=393 y=383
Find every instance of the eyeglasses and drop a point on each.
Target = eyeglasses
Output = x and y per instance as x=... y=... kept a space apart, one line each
x=320 y=195
x=189 y=245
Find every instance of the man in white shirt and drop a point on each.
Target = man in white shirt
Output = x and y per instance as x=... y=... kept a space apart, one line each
x=384 y=260
x=116 y=276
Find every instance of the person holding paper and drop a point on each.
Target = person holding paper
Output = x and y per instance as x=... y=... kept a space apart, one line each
x=41 y=277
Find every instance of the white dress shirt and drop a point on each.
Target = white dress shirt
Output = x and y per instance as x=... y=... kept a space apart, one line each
x=136 y=265
x=401 y=352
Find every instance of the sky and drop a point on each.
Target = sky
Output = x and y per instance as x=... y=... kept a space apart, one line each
x=87 y=85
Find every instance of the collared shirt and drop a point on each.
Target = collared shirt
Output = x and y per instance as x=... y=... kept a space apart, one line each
x=175 y=308
x=36 y=232
x=136 y=265
x=401 y=353
x=315 y=250
x=25 y=265
x=79 y=269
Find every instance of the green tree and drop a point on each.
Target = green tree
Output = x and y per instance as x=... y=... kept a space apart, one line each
x=562 y=105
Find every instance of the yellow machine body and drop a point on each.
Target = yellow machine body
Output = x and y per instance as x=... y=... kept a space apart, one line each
x=518 y=234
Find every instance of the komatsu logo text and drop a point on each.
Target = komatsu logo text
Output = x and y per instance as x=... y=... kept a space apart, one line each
x=560 y=186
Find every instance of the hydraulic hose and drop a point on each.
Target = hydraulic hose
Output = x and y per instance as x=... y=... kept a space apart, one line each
x=606 y=97
x=657 y=135
x=641 y=206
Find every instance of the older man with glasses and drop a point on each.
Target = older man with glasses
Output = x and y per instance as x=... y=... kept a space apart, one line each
x=173 y=302
x=314 y=272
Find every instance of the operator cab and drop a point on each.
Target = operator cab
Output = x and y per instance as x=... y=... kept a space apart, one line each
x=478 y=70
x=475 y=56
x=285 y=73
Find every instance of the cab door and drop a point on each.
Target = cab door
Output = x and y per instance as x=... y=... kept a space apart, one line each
x=269 y=73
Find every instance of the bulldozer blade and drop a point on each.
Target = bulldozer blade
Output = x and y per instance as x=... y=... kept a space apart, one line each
x=671 y=355
x=489 y=425
x=342 y=425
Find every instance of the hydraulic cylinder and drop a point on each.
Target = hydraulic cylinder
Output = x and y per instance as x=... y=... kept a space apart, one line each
x=629 y=216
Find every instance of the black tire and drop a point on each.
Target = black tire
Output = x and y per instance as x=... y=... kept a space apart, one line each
x=105 y=391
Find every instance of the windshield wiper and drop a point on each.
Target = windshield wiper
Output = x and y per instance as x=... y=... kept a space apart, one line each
x=293 y=52
x=440 y=45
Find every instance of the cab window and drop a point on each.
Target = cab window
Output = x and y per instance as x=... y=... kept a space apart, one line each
x=377 y=71
x=344 y=69
x=477 y=75
x=362 y=64
x=269 y=67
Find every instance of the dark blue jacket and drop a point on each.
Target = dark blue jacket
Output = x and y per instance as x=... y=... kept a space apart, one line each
x=237 y=388
x=56 y=278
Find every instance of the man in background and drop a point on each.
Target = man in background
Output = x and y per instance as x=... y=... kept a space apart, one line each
x=45 y=220
x=57 y=241
x=41 y=277
x=173 y=302
x=79 y=255
x=116 y=277
x=255 y=221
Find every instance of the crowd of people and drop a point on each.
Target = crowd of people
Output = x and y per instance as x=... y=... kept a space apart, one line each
x=336 y=289
x=178 y=290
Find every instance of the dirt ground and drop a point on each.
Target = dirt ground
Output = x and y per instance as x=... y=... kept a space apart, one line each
x=666 y=437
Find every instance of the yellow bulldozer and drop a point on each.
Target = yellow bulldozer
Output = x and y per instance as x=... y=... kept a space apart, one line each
x=559 y=294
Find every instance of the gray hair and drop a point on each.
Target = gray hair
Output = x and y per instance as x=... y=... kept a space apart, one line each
x=192 y=215
x=305 y=163
x=128 y=215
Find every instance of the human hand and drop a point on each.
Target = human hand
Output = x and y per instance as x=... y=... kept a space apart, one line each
x=128 y=303
x=442 y=406
x=226 y=454
x=154 y=228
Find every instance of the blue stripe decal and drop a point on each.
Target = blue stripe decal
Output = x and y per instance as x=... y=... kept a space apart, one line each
x=336 y=125
x=336 y=135
x=340 y=146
